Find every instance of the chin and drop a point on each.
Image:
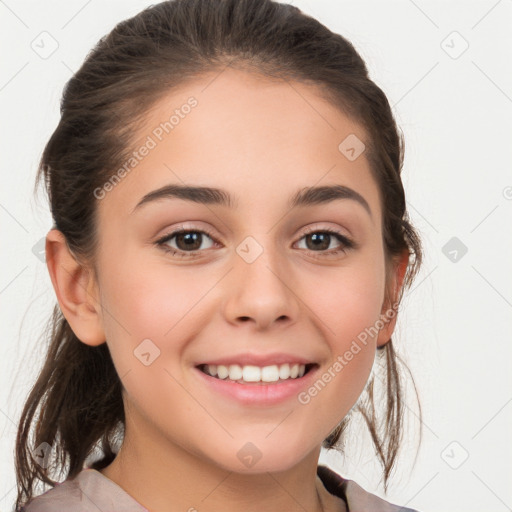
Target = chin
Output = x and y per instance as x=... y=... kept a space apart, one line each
x=255 y=458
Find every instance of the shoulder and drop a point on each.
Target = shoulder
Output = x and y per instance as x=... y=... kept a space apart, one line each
x=356 y=498
x=60 y=497
x=89 y=491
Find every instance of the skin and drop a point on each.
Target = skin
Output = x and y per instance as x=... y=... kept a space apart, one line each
x=261 y=141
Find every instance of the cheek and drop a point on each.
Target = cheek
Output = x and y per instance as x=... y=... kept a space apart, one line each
x=348 y=301
x=149 y=296
x=151 y=302
x=347 y=306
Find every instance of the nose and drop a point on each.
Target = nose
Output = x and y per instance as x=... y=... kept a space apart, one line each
x=261 y=292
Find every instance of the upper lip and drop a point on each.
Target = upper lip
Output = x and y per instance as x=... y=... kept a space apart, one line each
x=258 y=359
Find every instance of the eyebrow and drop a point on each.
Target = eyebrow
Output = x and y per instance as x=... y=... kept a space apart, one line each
x=308 y=196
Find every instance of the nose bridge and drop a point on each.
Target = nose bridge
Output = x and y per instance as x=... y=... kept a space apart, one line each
x=259 y=289
x=261 y=258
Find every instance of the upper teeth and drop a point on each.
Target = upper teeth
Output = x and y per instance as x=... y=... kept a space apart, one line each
x=255 y=373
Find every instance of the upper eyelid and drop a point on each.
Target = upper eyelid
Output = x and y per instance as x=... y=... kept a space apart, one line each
x=308 y=230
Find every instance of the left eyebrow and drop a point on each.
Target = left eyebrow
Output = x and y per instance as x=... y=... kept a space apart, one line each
x=307 y=196
x=310 y=196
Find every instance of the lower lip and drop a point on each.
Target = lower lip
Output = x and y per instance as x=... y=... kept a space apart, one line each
x=260 y=393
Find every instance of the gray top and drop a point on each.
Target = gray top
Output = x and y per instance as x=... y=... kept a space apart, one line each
x=91 y=491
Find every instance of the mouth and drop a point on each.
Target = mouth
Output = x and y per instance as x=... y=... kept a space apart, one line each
x=257 y=375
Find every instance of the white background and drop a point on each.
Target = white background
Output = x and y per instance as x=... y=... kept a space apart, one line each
x=455 y=327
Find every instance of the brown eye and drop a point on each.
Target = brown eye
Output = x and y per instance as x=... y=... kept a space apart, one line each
x=186 y=241
x=321 y=240
x=189 y=241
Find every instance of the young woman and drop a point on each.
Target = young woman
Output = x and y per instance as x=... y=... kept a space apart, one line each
x=229 y=250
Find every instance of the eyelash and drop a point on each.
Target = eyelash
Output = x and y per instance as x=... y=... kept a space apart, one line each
x=346 y=243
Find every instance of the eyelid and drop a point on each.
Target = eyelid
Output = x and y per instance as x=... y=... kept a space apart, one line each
x=183 y=228
x=347 y=241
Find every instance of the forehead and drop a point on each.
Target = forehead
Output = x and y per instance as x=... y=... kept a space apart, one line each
x=261 y=139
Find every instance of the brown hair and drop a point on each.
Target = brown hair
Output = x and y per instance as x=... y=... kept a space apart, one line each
x=78 y=392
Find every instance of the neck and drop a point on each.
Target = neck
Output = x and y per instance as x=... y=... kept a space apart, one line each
x=174 y=479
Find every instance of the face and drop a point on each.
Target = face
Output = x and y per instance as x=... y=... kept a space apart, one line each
x=255 y=277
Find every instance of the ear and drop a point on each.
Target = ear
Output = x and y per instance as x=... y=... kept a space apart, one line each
x=389 y=312
x=76 y=290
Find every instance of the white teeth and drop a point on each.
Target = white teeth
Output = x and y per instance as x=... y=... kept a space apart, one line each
x=250 y=373
x=222 y=371
x=270 y=373
x=284 y=371
x=235 y=372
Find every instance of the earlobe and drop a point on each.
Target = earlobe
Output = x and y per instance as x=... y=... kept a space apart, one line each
x=390 y=306
x=76 y=290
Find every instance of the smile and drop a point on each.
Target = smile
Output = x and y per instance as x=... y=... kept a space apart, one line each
x=255 y=374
